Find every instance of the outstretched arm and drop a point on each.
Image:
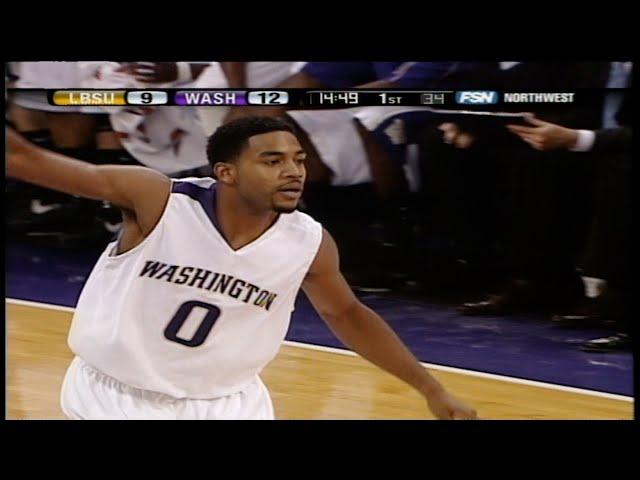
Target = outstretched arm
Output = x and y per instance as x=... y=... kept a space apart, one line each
x=140 y=191
x=364 y=331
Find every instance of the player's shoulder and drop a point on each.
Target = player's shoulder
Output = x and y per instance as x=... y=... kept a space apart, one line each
x=298 y=218
x=301 y=226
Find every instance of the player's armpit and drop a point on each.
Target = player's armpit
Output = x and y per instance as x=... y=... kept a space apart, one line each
x=140 y=190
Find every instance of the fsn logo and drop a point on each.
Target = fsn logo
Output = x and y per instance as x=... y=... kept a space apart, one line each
x=477 y=97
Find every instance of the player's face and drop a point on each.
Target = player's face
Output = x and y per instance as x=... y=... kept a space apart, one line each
x=271 y=171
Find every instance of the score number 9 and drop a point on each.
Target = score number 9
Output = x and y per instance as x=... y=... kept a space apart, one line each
x=147 y=97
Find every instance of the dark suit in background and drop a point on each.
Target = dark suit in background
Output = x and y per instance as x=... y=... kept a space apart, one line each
x=537 y=204
x=609 y=252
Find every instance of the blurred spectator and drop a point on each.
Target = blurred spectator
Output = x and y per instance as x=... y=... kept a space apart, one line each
x=609 y=253
x=534 y=205
x=240 y=75
x=167 y=139
x=81 y=132
x=360 y=154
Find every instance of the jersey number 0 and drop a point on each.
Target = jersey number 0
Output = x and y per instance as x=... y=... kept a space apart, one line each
x=178 y=320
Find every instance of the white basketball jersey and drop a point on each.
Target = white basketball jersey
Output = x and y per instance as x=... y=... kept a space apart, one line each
x=184 y=314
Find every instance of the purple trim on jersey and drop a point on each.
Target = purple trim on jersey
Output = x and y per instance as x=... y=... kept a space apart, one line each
x=206 y=197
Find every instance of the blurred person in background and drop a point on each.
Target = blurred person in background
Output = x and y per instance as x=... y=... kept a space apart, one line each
x=534 y=205
x=608 y=255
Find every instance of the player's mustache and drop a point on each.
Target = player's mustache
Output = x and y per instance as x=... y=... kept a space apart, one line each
x=295 y=186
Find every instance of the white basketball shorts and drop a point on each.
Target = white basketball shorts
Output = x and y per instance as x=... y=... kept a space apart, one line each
x=88 y=394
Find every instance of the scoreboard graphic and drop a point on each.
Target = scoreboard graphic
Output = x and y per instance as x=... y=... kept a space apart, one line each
x=305 y=98
x=228 y=97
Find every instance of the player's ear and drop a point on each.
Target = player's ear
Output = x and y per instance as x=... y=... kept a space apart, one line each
x=225 y=172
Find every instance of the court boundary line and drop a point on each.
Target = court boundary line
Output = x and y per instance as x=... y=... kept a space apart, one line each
x=433 y=366
x=474 y=373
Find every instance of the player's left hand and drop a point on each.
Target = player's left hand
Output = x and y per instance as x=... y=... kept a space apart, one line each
x=151 y=72
x=544 y=135
x=446 y=407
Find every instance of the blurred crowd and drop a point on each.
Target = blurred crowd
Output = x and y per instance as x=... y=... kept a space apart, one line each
x=515 y=216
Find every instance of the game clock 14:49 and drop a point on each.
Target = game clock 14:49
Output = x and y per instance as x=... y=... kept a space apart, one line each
x=335 y=98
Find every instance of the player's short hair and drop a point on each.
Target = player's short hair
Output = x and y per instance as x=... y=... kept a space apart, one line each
x=228 y=141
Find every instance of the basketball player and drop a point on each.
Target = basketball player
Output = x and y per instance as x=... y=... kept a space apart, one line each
x=182 y=312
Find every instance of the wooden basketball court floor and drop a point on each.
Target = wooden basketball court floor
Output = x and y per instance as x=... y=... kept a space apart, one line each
x=305 y=381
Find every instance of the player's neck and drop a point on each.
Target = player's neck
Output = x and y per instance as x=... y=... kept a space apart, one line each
x=240 y=224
